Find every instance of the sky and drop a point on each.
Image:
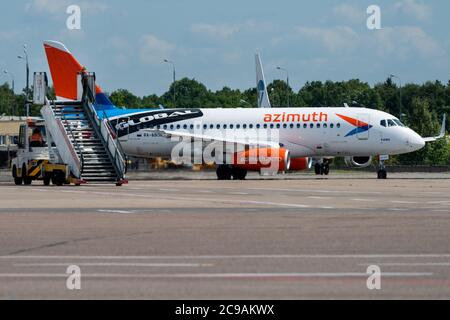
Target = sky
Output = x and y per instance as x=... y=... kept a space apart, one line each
x=125 y=42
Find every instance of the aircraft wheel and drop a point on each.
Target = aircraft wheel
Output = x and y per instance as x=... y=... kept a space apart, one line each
x=318 y=169
x=224 y=172
x=326 y=169
x=382 y=174
x=239 y=174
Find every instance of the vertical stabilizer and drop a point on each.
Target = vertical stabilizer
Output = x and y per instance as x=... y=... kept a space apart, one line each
x=261 y=85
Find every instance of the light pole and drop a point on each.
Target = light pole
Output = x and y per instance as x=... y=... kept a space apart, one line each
x=25 y=57
x=12 y=86
x=401 y=87
x=287 y=81
x=174 y=79
x=12 y=78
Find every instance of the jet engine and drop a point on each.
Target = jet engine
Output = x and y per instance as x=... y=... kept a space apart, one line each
x=358 y=162
x=300 y=164
x=270 y=159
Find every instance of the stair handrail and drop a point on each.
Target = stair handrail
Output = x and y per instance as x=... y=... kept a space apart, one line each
x=77 y=146
x=118 y=158
x=50 y=117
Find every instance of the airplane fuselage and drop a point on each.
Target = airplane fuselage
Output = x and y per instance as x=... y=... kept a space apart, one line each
x=305 y=132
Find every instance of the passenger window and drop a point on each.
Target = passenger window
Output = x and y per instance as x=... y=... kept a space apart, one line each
x=278 y=126
x=171 y=127
x=332 y=125
x=178 y=127
x=318 y=126
x=238 y=126
x=285 y=126
x=265 y=126
x=299 y=125
x=231 y=126
x=224 y=126
x=192 y=127
x=338 y=126
x=292 y=126
x=325 y=126
x=185 y=127
x=258 y=126
x=205 y=126
x=211 y=126
x=271 y=126
x=165 y=127
x=311 y=125
x=218 y=127
x=244 y=126
x=250 y=126
x=305 y=126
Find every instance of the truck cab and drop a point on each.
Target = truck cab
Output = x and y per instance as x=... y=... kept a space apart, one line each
x=32 y=152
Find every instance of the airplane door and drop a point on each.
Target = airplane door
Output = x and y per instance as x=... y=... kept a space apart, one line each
x=363 y=123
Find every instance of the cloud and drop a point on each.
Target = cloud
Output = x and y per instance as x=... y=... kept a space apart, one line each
x=404 y=40
x=415 y=9
x=59 y=7
x=333 y=39
x=224 y=31
x=154 y=50
x=349 y=13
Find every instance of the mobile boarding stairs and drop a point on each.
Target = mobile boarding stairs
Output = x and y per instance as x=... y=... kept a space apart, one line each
x=81 y=135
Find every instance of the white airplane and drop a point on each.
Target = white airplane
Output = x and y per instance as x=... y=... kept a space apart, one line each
x=285 y=139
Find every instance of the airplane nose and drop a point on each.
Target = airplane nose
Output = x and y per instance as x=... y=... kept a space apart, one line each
x=416 y=142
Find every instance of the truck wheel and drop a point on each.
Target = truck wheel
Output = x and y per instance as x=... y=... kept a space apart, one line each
x=47 y=181
x=59 y=178
x=17 y=180
x=26 y=180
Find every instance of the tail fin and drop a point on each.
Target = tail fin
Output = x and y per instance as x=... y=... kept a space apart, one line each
x=261 y=86
x=64 y=69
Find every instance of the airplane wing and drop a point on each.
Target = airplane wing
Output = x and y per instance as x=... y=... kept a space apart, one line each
x=252 y=142
x=441 y=134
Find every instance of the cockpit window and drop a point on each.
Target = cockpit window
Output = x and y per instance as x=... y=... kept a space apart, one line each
x=383 y=123
x=391 y=123
x=399 y=123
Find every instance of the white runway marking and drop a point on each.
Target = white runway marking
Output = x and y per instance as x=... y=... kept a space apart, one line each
x=402 y=202
x=316 y=191
x=363 y=200
x=220 y=257
x=137 y=265
x=116 y=211
x=413 y=264
x=220 y=275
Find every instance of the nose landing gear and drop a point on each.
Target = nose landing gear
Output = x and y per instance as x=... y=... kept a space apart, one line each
x=382 y=172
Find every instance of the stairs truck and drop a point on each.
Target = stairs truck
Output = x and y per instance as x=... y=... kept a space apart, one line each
x=71 y=144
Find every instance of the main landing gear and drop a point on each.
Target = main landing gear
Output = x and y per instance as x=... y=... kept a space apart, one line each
x=227 y=172
x=322 y=169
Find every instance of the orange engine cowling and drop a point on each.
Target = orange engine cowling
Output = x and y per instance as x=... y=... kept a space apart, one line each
x=270 y=159
x=300 y=164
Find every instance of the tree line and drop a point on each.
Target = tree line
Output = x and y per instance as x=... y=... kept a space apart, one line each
x=421 y=105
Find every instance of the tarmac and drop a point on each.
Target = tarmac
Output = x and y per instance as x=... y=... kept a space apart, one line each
x=186 y=236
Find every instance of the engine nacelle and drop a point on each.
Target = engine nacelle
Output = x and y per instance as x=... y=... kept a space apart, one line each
x=358 y=162
x=270 y=159
x=300 y=164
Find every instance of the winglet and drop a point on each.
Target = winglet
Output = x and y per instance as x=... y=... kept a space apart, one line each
x=441 y=134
